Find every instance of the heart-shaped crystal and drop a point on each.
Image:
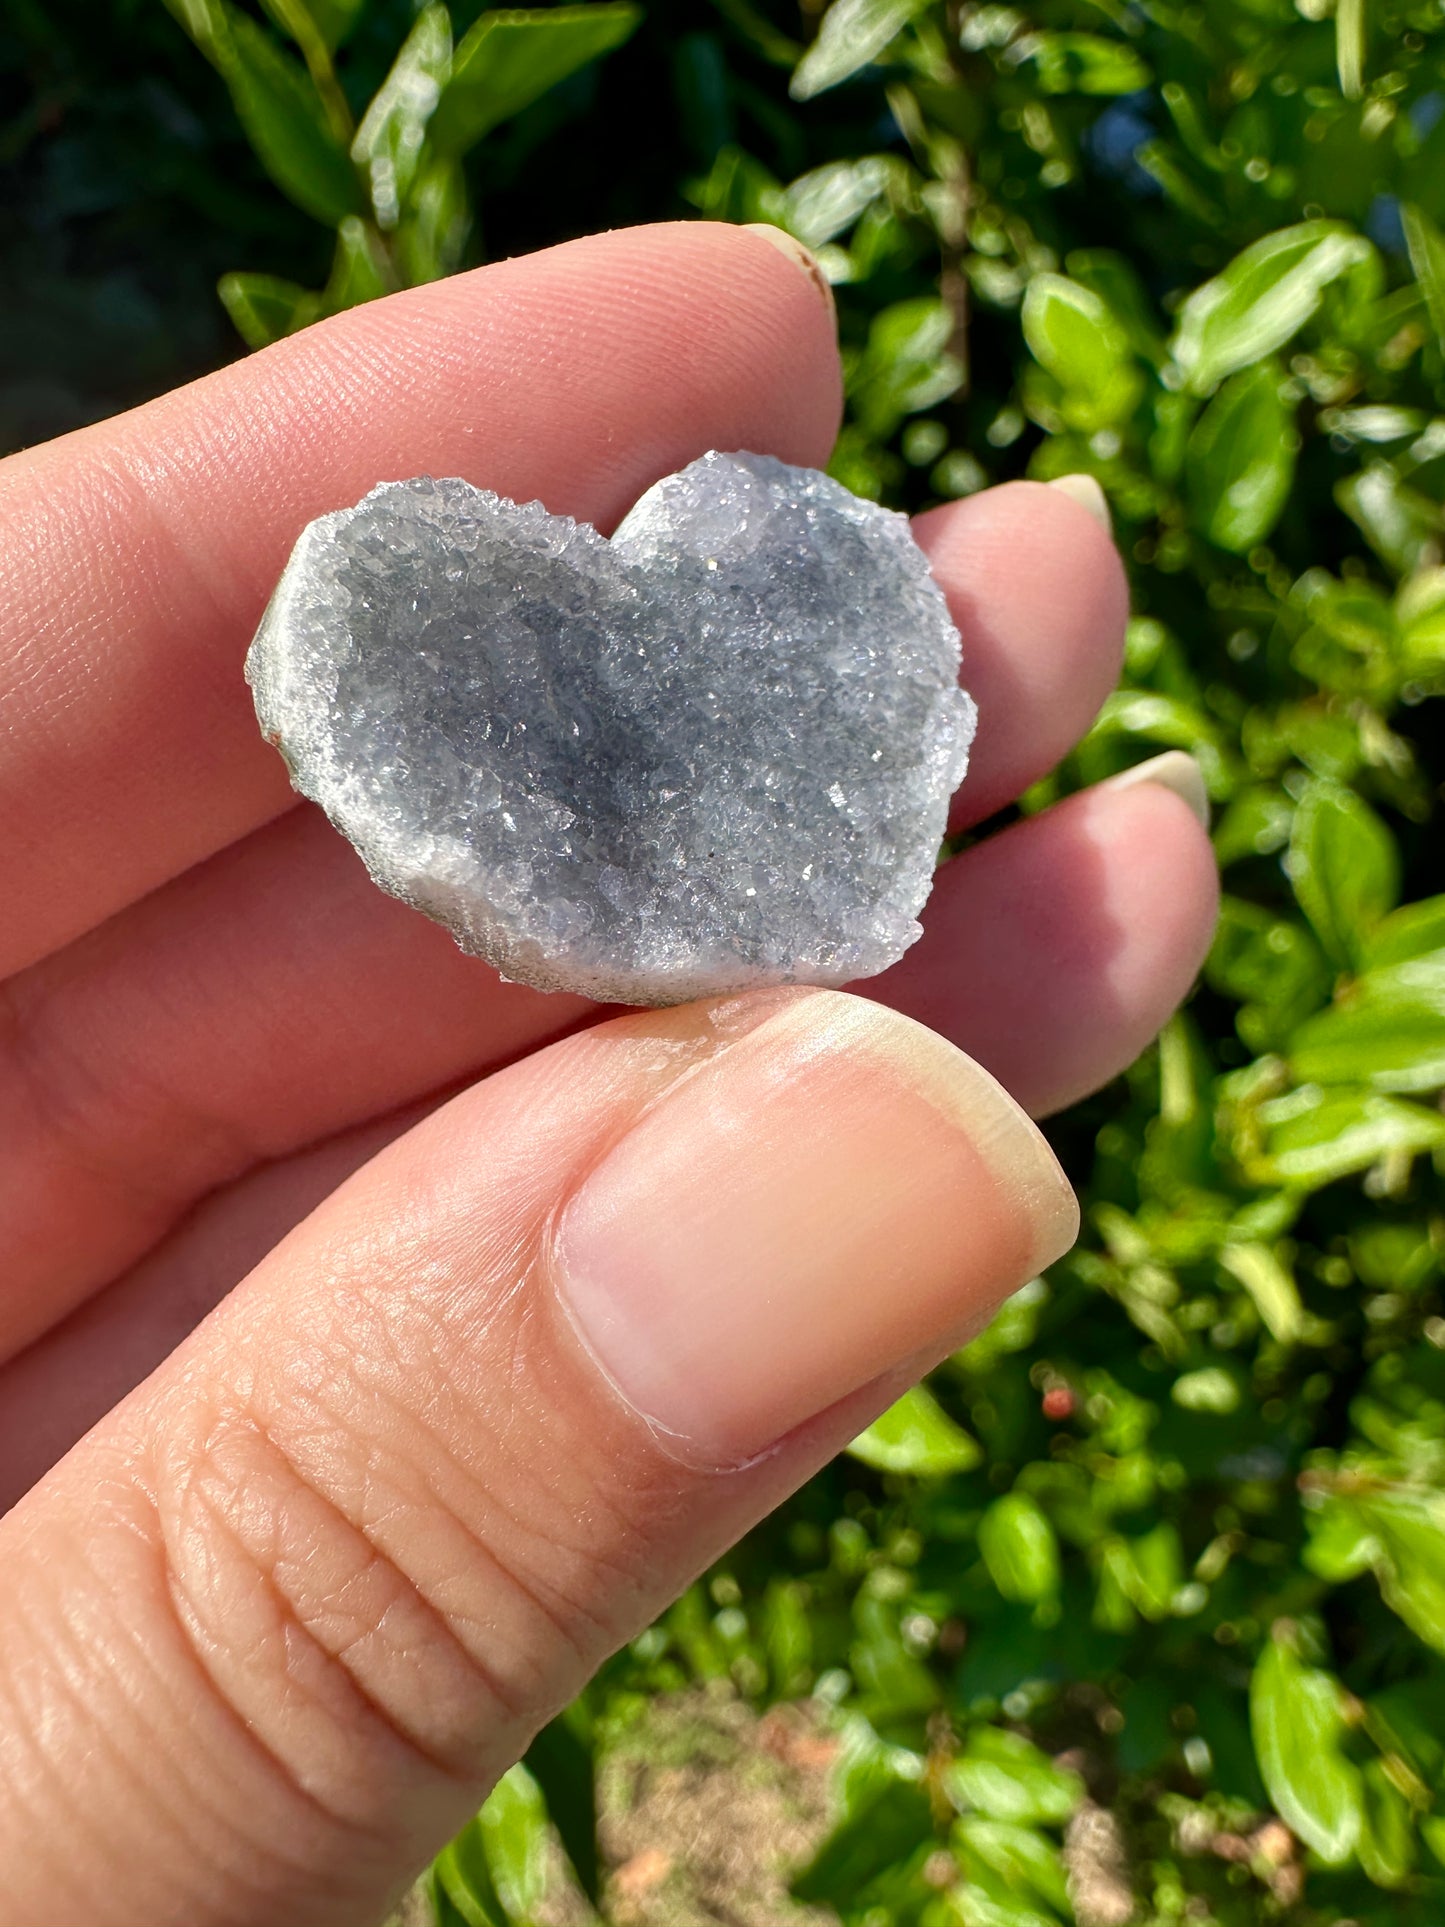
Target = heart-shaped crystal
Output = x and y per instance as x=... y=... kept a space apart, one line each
x=713 y=752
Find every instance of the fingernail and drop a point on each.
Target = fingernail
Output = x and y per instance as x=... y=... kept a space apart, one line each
x=1085 y=490
x=836 y=1191
x=800 y=256
x=1175 y=770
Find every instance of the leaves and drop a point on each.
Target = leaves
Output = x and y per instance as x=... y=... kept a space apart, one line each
x=916 y=1436
x=390 y=141
x=264 y=308
x=1297 y=1718
x=511 y=58
x=1073 y=335
x=1241 y=460
x=1313 y=1138
x=853 y=33
x=1084 y=63
x=1020 y=1549
x=562 y=1761
x=1344 y=868
x=1388 y=1032
x=1350 y=33
x=1427 y=256
x=279 y=107
x=1005 y=1778
x=1261 y=300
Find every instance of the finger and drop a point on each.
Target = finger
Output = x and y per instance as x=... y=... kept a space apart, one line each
x=269 y=997
x=271 y=1631
x=1054 y=953
x=1037 y=589
x=273 y=997
x=1056 y=950
x=57 y=1388
x=136 y=557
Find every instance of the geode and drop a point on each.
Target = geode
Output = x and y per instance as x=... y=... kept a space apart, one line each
x=711 y=753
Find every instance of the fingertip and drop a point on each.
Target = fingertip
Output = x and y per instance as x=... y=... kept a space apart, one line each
x=1039 y=593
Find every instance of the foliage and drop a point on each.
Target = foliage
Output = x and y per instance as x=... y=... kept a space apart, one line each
x=1170 y=1535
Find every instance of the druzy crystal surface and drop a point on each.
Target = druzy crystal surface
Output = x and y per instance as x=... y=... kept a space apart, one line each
x=713 y=752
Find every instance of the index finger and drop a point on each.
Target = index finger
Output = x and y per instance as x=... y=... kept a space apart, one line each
x=136 y=556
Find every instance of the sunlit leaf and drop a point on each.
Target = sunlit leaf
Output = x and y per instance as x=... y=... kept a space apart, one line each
x=1019 y=1548
x=1344 y=867
x=1297 y=1717
x=1005 y=1777
x=265 y=308
x=511 y=58
x=915 y=1435
x=853 y=33
x=1072 y=333
x=1240 y=463
x=1261 y=300
x=390 y=141
x=1084 y=63
x=277 y=103
x=1315 y=1137
x=1427 y=257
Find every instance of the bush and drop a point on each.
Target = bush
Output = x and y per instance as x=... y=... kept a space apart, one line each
x=1169 y=1538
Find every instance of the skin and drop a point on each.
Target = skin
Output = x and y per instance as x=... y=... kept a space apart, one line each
x=410 y=1317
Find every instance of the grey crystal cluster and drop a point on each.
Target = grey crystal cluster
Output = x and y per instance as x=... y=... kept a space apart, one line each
x=711 y=753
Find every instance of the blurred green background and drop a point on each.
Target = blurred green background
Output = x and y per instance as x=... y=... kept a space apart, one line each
x=1138 y=1611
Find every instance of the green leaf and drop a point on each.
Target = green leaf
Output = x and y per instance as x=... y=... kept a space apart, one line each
x=1240 y=462
x=265 y=308
x=1297 y=1718
x=463 y=1883
x=906 y=365
x=360 y=270
x=853 y=33
x=328 y=21
x=1084 y=63
x=1407 y=934
x=513 y=1827
x=1073 y=335
x=562 y=1761
x=1409 y=1528
x=1261 y=300
x=1026 y=1860
x=915 y=1435
x=1386 y=1845
x=1350 y=33
x=1209 y=1389
x=820 y=204
x=1145 y=1573
x=432 y=238
x=511 y=58
x=1341 y=1544
x=1427 y=257
x=1389 y=1034
x=205 y=21
x=277 y=104
x=390 y=142
x=1019 y=1548
x=1271 y=1286
x=1005 y=1777
x=1344 y=868
x=1314 y=1138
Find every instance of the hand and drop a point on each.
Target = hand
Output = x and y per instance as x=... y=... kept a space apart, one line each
x=538 y=1353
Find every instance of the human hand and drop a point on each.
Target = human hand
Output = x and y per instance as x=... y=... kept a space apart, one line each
x=272 y=1628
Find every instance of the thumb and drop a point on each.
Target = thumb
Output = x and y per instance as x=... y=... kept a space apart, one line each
x=273 y=1629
